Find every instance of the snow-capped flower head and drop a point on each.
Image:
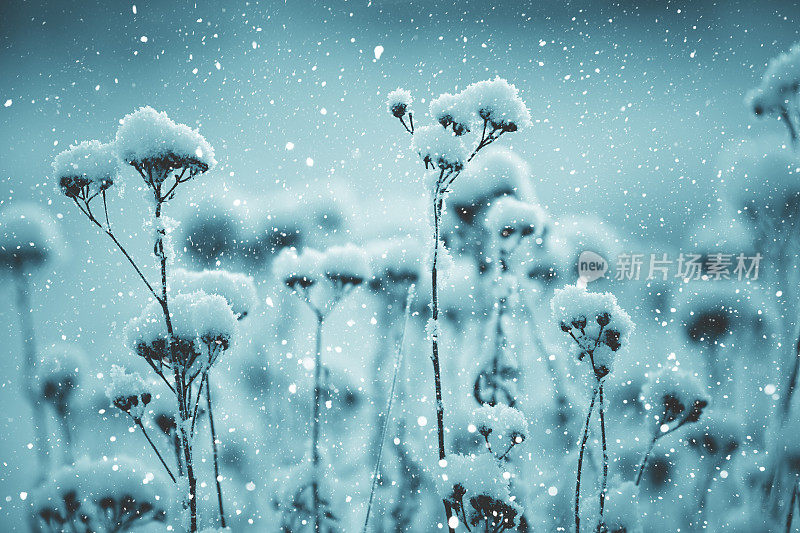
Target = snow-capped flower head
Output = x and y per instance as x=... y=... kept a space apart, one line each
x=717 y=434
x=87 y=169
x=510 y=220
x=203 y=325
x=498 y=103
x=476 y=488
x=104 y=495
x=587 y=233
x=454 y=112
x=622 y=514
x=503 y=427
x=29 y=237
x=154 y=144
x=394 y=263
x=596 y=326
x=205 y=318
x=674 y=398
x=239 y=290
x=128 y=392
x=494 y=173
x=58 y=374
x=296 y=271
x=398 y=102
x=345 y=265
x=439 y=148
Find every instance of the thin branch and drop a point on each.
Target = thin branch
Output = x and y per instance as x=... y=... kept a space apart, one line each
x=580 y=462
x=397 y=364
x=152 y=445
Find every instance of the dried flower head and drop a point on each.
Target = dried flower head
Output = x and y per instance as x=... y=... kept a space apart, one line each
x=675 y=398
x=58 y=374
x=87 y=169
x=596 y=326
x=398 y=102
x=439 y=148
x=128 y=392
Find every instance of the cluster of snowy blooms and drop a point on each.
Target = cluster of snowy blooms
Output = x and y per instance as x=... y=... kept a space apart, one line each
x=105 y=495
x=595 y=323
x=128 y=392
x=322 y=278
x=501 y=426
x=477 y=488
x=202 y=324
x=239 y=290
x=58 y=374
x=148 y=140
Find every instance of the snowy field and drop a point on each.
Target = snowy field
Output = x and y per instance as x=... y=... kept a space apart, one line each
x=388 y=266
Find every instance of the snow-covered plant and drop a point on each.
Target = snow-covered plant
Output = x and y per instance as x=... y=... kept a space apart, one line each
x=502 y=427
x=476 y=489
x=597 y=329
x=29 y=239
x=675 y=398
x=108 y=495
x=321 y=280
x=165 y=154
x=239 y=291
x=128 y=392
x=777 y=93
x=492 y=108
x=58 y=374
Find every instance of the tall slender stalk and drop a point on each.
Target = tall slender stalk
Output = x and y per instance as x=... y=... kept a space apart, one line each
x=398 y=361
x=438 y=202
x=181 y=386
x=315 y=456
x=215 y=450
x=580 y=462
x=790 y=514
x=29 y=349
x=605 y=453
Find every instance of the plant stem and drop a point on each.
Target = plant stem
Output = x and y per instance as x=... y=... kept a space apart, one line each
x=29 y=349
x=790 y=514
x=645 y=458
x=215 y=450
x=153 y=446
x=398 y=361
x=605 y=454
x=580 y=462
x=179 y=374
x=438 y=202
x=315 y=422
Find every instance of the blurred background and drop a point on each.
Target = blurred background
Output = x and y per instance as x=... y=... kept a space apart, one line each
x=632 y=106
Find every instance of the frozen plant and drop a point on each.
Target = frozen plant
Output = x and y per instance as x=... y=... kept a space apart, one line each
x=776 y=95
x=129 y=393
x=321 y=280
x=491 y=107
x=501 y=426
x=58 y=374
x=29 y=240
x=165 y=154
x=675 y=398
x=108 y=495
x=598 y=328
x=509 y=223
x=476 y=489
x=239 y=291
